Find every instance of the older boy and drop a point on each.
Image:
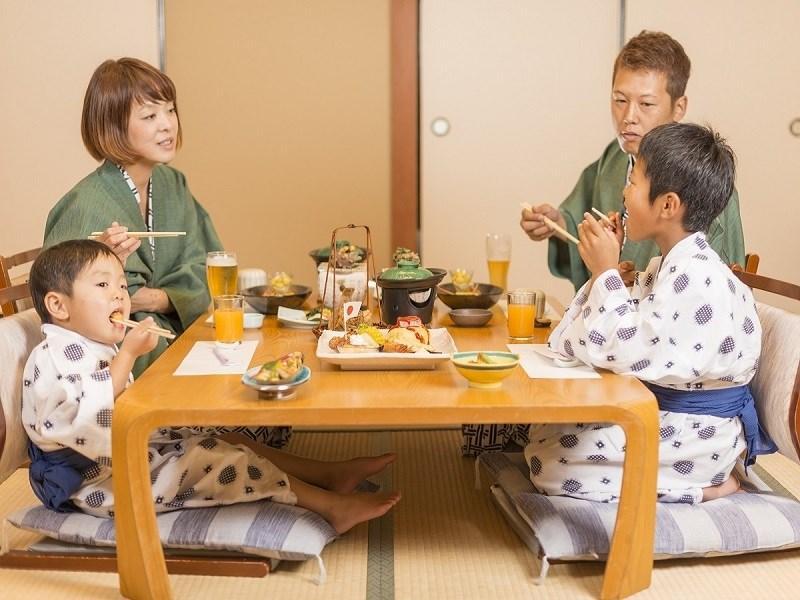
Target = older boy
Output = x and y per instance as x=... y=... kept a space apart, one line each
x=688 y=329
x=71 y=382
x=648 y=90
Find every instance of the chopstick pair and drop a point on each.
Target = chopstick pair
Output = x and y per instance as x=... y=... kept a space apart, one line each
x=159 y=331
x=553 y=225
x=142 y=234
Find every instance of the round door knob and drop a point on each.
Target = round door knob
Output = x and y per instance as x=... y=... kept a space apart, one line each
x=440 y=126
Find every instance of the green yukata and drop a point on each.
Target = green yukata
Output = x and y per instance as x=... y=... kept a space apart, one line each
x=179 y=267
x=600 y=186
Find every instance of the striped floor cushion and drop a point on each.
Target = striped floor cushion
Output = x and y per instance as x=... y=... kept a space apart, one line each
x=566 y=528
x=268 y=529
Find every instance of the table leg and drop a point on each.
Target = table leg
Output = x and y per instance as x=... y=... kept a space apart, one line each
x=630 y=558
x=140 y=557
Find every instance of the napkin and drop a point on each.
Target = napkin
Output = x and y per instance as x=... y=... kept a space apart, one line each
x=206 y=358
x=532 y=358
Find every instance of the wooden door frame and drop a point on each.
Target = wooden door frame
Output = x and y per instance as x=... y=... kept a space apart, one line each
x=405 y=167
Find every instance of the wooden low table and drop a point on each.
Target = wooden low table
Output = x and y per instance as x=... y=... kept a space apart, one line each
x=337 y=399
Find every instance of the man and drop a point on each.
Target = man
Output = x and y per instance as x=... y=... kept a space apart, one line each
x=648 y=90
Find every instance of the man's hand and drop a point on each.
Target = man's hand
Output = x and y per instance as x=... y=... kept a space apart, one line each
x=533 y=224
x=116 y=237
x=152 y=300
x=598 y=246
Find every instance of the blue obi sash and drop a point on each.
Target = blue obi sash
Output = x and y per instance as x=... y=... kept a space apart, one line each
x=722 y=402
x=56 y=476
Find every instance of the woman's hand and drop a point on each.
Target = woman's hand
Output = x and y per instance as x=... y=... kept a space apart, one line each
x=116 y=237
x=534 y=226
x=598 y=246
x=153 y=300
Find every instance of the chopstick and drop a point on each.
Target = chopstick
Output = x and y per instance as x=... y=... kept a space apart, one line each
x=604 y=218
x=142 y=234
x=556 y=227
x=160 y=331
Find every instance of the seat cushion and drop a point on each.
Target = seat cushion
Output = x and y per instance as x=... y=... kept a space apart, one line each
x=264 y=528
x=777 y=369
x=573 y=529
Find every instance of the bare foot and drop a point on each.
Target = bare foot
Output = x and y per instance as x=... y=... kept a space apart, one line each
x=726 y=488
x=343 y=477
x=348 y=510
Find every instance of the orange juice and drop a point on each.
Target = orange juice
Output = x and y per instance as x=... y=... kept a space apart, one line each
x=228 y=325
x=498 y=273
x=520 y=320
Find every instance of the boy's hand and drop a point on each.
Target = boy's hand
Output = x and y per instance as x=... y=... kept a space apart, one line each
x=598 y=246
x=116 y=237
x=533 y=225
x=139 y=339
x=627 y=270
x=619 y=228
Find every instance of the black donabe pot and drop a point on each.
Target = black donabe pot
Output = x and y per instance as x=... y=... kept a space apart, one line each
x=396 y=298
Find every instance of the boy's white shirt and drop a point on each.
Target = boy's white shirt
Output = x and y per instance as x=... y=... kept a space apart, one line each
x=688 y=323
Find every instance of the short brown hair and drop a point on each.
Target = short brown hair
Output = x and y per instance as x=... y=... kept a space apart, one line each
x=114 y=87
x=57 y=268
x=656 y=51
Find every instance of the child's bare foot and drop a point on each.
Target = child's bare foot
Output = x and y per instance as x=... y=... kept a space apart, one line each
x=351 y=509
x=343 y=477
x=726 y=488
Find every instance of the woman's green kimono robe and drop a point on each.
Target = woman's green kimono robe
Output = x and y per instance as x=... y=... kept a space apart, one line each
x=600 y=185
x=179 y=264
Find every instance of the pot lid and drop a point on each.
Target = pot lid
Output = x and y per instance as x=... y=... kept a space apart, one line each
x=406 y=270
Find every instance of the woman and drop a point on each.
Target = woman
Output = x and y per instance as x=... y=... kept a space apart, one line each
x=130 y=122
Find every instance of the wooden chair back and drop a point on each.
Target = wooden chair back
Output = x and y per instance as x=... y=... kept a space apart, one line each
x=9 y=297
x=6 y=264
x=776 y=386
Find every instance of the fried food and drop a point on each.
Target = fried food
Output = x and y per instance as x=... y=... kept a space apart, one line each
x=280 y=370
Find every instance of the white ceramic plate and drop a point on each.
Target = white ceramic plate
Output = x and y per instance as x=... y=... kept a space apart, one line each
x=294 y=318
x=386 y=361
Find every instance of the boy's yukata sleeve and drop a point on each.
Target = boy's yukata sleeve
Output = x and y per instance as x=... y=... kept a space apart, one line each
x=69 y=399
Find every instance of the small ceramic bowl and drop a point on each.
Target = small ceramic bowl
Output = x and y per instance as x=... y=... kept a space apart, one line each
x=486 y=371
x=470 y=317
x=253 y=320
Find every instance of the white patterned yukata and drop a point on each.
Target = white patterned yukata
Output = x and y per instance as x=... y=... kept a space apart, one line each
x=68 y=402
x=688 y=324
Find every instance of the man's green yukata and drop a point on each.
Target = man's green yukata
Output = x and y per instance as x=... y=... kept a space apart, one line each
x=179 y=267
x=600 y=186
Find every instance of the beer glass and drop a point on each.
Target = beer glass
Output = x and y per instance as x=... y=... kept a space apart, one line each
x=521 y=313
x=498 y=256
x=221 y=272
x=228 y=319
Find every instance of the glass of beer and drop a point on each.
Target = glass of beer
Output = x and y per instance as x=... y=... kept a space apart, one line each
x=228 y=319
x=222 y=270
x=521 y=313
x=498 y=255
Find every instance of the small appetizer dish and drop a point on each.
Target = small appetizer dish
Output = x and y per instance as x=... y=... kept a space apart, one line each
x=481 y=295
x=264 y=299
x=470 y=317
x=487 y=369
x=278 y=379
x=253 y=320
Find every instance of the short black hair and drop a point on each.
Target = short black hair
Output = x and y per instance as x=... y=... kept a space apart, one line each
x=694 y=162
x=57 y=267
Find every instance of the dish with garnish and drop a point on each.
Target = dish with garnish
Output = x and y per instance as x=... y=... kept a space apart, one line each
x=405 y=346
x=278 y=379
x=485 y=369
x=265 y=300
x=348 y=254
x=483 y=295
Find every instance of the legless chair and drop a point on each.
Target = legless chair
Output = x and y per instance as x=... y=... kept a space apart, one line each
x=776 y=386
x=19 y=334
x=6 y=264
x=9 y=297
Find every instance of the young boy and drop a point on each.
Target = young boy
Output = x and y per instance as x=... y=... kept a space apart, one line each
x=688 y=329
x=73 y=377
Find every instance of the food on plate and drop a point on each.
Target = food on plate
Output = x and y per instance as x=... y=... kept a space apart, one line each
x=354 y=342
x=348 y=255
x=280 y=370
x=407 y=336
x=408 y=339
x=405 y=254
x=280 y=284
x=373 y=332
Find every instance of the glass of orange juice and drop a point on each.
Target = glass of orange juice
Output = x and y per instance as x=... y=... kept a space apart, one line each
x=228 y=319
x=521 y=313
x=498 y=256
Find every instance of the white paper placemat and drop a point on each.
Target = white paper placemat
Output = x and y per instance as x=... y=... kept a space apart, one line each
x=205 y=358
x=532 y=358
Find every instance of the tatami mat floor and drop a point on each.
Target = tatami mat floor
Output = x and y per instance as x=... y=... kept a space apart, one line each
x=444 y=540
